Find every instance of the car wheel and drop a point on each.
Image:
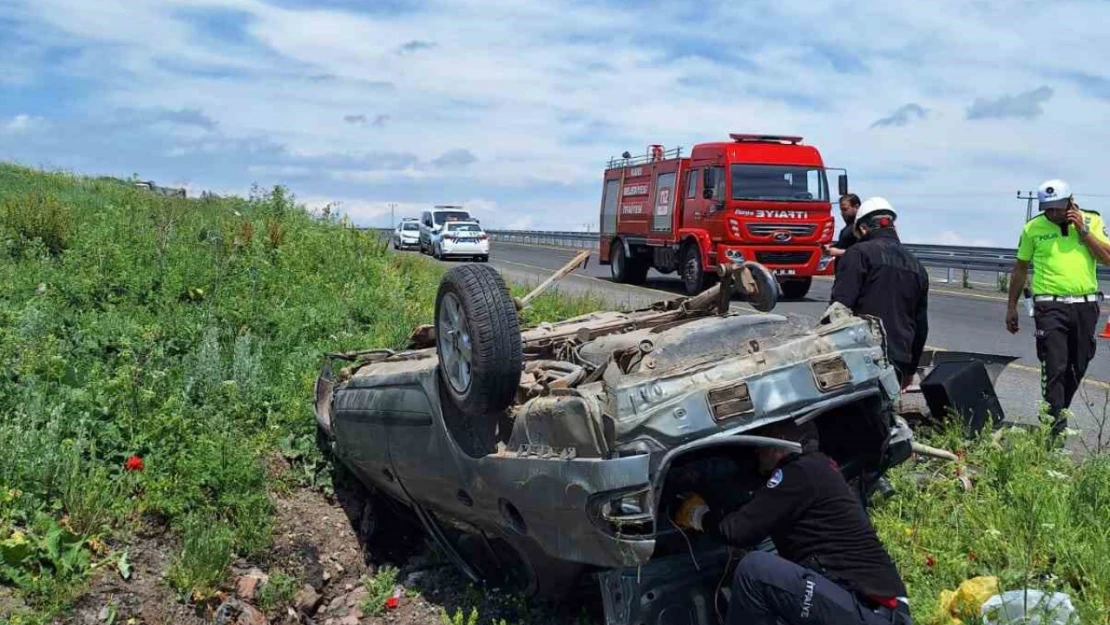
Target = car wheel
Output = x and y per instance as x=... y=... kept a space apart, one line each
x=478 y=340
x=767 y=291
x=694 y=280
x=796 y=289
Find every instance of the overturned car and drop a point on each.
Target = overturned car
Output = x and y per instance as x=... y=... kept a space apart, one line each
x=536 y=456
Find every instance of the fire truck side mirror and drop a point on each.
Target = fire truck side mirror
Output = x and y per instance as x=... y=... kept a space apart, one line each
x=842 y=182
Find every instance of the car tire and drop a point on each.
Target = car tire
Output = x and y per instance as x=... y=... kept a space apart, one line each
x=694 y=278
x=768 y=289
x=625 y=269
x=795 y=289
x=478 y=340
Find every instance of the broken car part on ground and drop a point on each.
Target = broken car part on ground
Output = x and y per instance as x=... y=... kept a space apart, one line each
x=539 y=455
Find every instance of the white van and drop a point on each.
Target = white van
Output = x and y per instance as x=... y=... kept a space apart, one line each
x=432 y=221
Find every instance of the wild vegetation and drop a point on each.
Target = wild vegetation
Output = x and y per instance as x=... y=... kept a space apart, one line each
x=153 y=351
x=156 y=353
x=1013 y=508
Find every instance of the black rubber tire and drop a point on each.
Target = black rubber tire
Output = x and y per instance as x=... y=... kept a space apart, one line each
x=795 y=289
x=626 y=270
x=769 y=291
x=491 y=320
x=694 y=279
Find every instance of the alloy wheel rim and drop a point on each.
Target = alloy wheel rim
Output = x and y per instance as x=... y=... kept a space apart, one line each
x=455 y=345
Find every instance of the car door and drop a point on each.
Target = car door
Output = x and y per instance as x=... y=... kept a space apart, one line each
x=363 y=414
x=427 y=460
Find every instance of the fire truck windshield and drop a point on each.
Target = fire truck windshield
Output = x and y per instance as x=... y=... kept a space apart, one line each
x=779 y=183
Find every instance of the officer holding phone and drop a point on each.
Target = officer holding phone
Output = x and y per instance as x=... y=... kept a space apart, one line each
x=1065 y=244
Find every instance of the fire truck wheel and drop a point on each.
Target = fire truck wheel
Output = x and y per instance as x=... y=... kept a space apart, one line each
x=478 y=340
x=796 y=289
x=626 y=270
x=694 y=278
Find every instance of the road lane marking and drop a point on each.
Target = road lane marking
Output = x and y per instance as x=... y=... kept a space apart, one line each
x=603 y=281
x=1030 y=369
x=594 y=255
x=745 y=308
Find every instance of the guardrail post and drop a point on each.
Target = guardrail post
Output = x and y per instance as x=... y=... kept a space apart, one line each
x=948 y=279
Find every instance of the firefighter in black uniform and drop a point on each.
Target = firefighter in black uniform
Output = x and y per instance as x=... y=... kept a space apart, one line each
x=831 y=568
x=849 y=206
x=878 y=276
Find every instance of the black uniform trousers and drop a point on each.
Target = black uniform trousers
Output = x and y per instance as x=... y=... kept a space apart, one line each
x=768 y=590
x=1065 y=346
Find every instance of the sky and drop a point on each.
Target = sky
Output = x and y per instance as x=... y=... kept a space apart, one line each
x=512 y=107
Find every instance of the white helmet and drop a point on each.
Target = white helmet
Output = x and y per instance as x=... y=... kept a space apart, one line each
x=873 y=206
x=1053 y=193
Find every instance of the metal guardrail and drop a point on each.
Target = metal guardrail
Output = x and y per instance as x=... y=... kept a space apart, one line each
x=987 y=259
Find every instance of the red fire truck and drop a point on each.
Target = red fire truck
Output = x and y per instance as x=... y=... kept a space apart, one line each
x=759 y=197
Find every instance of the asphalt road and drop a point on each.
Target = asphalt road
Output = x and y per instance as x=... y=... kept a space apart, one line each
x=959 y=320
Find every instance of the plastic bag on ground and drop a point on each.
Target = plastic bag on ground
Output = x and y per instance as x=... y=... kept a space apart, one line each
x=1029 y=607
x=965 y=601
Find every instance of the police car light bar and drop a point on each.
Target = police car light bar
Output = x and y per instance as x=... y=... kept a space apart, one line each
x=739 y=138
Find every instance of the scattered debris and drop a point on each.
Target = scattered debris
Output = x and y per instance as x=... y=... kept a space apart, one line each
x=307 y=600
x=1033 y=607
x=962 y=605
x=249 y=615
x=247 y=586
x=580 y=259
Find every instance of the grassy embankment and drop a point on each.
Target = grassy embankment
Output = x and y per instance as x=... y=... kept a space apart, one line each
x=188 y=333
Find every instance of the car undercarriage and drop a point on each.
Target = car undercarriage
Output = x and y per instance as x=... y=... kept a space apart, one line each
x=541 y=455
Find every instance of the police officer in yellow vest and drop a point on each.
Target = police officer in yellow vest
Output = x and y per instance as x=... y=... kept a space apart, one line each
x=1065 y=244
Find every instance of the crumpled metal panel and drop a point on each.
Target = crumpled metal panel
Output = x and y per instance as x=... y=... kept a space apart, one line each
x=553 y=499
x=672 y=408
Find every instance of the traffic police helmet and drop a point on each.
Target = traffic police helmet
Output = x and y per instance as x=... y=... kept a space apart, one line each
x=1053 y=193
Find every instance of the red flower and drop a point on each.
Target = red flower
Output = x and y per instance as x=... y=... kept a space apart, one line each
x=391 y=603
x=930 y=561
x=134 y=463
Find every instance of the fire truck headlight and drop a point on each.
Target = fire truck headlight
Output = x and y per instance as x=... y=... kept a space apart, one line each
x=735 y=256
x=825 y=260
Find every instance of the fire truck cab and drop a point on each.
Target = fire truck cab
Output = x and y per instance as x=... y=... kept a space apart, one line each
x=759 y=197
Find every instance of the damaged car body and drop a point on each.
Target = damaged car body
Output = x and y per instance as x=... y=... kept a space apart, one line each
x=572 y=467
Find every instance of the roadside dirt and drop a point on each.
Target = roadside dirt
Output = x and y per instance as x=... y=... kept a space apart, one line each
x=316 y=543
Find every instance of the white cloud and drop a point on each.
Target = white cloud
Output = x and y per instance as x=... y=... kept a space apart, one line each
x=542 y=93
x=23 y=123
x=380 y=213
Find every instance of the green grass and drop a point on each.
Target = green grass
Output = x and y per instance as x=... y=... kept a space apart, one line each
x=278 y=591
x=187 y=333
x=379 y=588
x=201 y=567
x=1031 y=517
